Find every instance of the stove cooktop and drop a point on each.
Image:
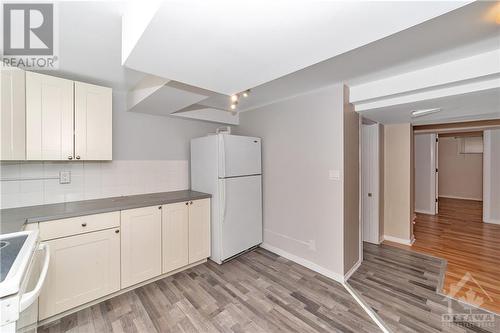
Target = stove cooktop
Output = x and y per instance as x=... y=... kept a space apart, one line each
x=9 y=249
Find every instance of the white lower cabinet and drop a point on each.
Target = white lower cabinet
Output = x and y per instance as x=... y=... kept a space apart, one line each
x=136 y=245
x=82 y=268
x=175 y=228
x=140 y=244
x=199 y=230
x=185 y=233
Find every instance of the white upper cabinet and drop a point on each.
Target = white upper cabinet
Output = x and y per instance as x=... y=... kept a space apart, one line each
x=49 y=117
x=13 y=114
x=93 y=122
x=46 y=118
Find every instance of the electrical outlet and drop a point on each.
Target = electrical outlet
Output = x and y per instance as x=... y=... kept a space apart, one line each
x=64 y=177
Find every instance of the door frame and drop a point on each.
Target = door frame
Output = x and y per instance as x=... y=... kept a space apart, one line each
x=435 y=154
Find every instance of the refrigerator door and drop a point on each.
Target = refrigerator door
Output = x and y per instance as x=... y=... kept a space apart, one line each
x=239 y=156
x=241 y=214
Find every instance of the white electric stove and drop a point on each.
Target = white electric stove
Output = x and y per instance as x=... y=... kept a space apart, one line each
x=23 y=268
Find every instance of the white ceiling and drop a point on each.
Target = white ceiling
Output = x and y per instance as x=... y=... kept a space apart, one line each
x=90 y=44
x=465 y=107
x=90 y=50
x=230 y=46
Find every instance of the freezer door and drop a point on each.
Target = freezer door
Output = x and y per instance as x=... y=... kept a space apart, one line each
x=239 y=156
x=241 y=211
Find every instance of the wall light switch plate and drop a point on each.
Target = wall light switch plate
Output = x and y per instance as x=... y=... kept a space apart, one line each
x=334 y=174
x=64 y=177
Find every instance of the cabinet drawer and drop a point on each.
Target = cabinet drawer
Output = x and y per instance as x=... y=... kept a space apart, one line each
x=78 y=225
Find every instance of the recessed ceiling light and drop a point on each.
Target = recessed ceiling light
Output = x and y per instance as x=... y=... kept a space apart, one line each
x=233 y=106
x=420 y=113
x=234 y=98
x=246 y=93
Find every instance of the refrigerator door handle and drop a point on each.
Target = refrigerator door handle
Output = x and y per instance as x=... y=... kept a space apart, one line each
x=222 y=156
x=223 y=198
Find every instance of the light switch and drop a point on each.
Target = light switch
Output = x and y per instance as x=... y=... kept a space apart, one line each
x=64 y=177
x=334 y=174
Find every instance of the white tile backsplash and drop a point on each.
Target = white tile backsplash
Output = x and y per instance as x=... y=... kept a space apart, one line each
x=89 y=180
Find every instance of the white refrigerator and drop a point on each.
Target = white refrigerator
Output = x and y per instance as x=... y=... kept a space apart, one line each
x=229 y=167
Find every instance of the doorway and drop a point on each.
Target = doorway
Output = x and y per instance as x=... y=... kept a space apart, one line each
x=456 y=230
x=372 y=182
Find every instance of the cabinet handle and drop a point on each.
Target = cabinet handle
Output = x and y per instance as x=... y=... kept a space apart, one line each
x=159 y=207
x=78 y=157
x=117 y=231
x=84 y=224
x=190 y=202
x=187 y=203
x=70 y=157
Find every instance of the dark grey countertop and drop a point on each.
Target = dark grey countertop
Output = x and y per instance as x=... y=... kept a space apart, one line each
x=13 y=219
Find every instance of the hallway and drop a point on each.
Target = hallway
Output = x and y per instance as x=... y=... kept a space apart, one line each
x=458 y=235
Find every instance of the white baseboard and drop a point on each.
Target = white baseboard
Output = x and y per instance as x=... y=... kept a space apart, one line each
x=423 y=211
x=399 y=240
x=461 y=198
x=304 y=262
x=493 y=221
x=352 y=270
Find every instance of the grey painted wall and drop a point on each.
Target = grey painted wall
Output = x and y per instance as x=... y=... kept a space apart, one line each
x=303 y=209
x=138 y=136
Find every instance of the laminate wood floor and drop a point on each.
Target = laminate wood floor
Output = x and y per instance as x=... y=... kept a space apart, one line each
x=256 y=292
x=401 y=286
x=470 y=246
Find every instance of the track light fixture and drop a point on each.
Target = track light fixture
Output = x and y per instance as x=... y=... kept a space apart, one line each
x=235 y=98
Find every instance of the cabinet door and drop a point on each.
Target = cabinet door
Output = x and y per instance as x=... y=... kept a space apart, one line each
x=141 y=244
x=82 y=269
x=13 y=115
x=199 y=230
x=49 y=117
x=93 y=122
x=175 y=236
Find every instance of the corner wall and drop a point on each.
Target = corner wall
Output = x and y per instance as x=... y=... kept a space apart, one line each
x=398 y=183
x=351 y=185
x=302 y=147
x=491 y=203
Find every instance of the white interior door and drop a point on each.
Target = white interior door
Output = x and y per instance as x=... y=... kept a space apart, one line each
x=370 y=182
x=241 y=214
x=239 y=156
